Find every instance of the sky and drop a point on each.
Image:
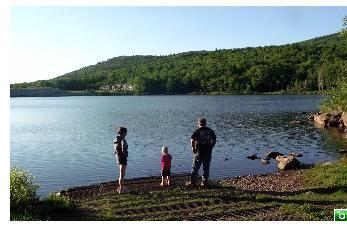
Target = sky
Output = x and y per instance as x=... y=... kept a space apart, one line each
x=48 y=41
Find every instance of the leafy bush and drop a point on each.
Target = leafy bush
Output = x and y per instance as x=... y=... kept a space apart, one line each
x=22 y=189
x=57 y=202
x=55 y=207
x=338 y=100
x=26 y=206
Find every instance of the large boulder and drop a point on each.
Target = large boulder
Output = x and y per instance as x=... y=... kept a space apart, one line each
x=320 y=118
x=333 y=119
x=343 y=119
x=327 y=119
x=312 y=114
x=287 y=162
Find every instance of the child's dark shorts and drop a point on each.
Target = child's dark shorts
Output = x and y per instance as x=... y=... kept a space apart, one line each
x=122 y=160
x=165 y=173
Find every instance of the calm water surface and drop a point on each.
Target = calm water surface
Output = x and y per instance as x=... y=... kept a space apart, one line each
x=67 y=141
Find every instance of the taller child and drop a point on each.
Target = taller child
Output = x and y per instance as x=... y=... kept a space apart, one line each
x=121 y=151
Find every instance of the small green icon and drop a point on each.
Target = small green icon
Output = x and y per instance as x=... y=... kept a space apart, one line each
x=340 y=214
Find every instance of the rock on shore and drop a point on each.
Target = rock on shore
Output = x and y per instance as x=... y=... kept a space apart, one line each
x=336 y=119
x=273 y=154
x=287 y=162
x=343 y=119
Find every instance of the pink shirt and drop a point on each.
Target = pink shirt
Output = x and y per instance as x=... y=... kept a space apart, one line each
x=165 y=161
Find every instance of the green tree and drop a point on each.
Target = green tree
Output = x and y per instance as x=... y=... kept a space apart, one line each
x=344 y=29
x=338 y=99
x=173 y=85
x=260 y=77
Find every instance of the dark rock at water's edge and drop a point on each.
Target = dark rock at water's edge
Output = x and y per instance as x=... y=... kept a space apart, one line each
x=287 y=162
x=294 y=154
x=284 y=162
x=265 y=161
x=273 y=154
x=252 y=157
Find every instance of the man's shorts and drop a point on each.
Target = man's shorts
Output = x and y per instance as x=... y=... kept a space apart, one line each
x=165 y=173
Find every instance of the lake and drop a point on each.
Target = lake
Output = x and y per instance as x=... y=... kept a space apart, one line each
x=67 y=141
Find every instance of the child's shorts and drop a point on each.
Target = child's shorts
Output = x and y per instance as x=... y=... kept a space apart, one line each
x=165 y=172
x=122 y=160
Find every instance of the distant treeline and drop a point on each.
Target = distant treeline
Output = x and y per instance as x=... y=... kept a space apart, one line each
x=38 y=92
x=316 y=64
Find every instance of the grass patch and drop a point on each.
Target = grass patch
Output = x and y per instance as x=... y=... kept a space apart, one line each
x=307 y=212
x=333 y=176
x=327 y=191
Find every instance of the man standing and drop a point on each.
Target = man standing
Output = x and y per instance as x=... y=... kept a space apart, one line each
x=203 y=140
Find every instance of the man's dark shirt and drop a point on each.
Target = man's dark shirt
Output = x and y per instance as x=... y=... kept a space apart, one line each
x=203 y=137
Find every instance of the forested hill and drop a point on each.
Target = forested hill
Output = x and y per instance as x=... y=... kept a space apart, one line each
x=316 y=64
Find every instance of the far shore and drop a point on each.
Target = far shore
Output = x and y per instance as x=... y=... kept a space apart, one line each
x=54 y=92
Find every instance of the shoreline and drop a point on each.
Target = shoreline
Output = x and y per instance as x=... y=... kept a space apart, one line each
x=54 y=92
x=257 y=183
x=309 y=193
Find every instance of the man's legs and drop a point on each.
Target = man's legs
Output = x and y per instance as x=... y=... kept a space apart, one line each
x=206 y=168
x=195 y=169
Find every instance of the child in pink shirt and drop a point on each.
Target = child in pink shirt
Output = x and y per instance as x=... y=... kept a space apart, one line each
x=165 y=160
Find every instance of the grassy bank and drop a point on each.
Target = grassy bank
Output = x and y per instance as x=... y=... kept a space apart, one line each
x=324 y=189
